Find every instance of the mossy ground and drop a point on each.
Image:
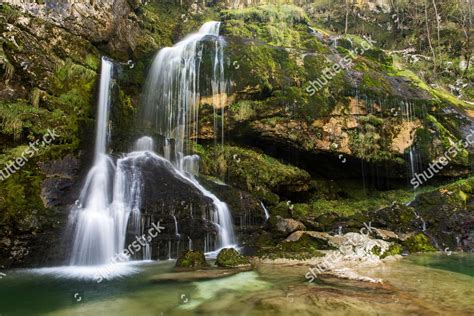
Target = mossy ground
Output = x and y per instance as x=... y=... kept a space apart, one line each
x=252 y=171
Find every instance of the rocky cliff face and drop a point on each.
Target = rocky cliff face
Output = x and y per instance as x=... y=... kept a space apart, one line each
x=49 y=64
x=342 y=150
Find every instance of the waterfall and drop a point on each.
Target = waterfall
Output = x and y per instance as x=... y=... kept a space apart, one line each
x=97 y=230
x=267 y=213
x=409 y=116
x=109 y=205
x=110 y=200
x=176 y=226
x=171 y=108
x=144 y=144
x=171 y=95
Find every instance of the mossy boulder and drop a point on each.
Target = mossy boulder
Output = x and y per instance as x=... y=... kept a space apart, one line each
x=191 y=259
x=229 y=258
x=419 y=243
x=305 y=247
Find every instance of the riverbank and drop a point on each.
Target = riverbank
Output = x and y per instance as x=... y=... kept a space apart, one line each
x=435 y=284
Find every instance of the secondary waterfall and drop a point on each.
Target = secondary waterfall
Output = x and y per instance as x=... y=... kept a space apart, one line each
x=171 y=108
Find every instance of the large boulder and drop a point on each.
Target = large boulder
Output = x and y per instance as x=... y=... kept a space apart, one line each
x=191 y=260
x=183 y=209
x=229 y=258
x=288 y=225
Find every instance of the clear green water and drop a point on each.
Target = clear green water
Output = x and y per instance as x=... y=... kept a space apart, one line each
x=419 y=285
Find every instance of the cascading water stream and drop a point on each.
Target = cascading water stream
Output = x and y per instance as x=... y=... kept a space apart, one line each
x=171 y=107
x=110 y=201
x=111 y=197
x=99 y=232
x=267 y=213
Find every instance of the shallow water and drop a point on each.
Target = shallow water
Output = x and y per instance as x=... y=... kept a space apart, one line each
x=421 y=285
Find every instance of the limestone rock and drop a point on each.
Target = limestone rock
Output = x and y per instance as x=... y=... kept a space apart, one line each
x=288 y=225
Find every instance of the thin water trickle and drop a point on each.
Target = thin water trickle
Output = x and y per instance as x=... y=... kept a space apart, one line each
x=267 y=213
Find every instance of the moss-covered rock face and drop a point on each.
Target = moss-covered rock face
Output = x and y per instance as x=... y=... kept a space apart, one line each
x=191 y=260
x=229 y=258
x=49 y=64
x=419 y=243
x=393 y=250
x=336 y=157
x=371 y=111
x=254 y=172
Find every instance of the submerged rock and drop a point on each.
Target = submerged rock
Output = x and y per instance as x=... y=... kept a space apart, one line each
x=199 y=275
x=229 y=257
x=191 y=259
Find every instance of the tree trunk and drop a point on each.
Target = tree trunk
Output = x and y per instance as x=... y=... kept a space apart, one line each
x=428 y=34
x=347 y=17
x=437 y=21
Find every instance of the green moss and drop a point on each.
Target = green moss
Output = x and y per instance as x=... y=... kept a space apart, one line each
x=244 y=110
x=305 y=248
x=229 y=257
x=393 y=249
x=92 y=61
x=349 y=198
x=191 y=259
x=21 y=208
x=18 y=118
x=268 y=14
x=376 y=250
x=252 y=171
x=448 y=140
x=418 y=243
